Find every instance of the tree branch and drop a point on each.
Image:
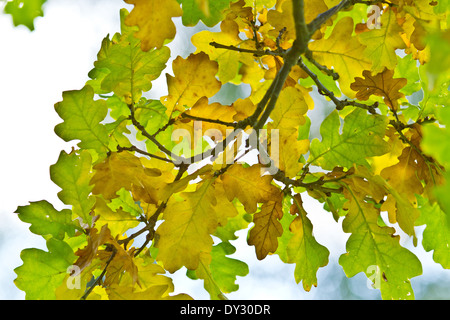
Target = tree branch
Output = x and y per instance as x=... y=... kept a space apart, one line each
x=315 y=24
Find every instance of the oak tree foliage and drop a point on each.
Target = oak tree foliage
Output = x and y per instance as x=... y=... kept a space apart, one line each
x=184 y=173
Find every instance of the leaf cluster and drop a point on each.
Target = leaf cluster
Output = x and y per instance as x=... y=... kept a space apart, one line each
x=155 y=185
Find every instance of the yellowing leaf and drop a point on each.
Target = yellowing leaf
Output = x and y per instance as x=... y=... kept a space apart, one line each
x=383 y=84
x=303 y=249
x=123 y=68
x=342 y=52
x=382 y=42
x=194 y=78
x=285 y=19
x=154 y=19
x=404 y=179
x=237 y=181
x=118 y=221
x=362 y=136
x=153 y=284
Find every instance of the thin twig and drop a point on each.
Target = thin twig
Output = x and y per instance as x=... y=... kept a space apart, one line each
x=329 y=72
x=257 y=53
x=99 y=278
x=216 y=121
x=145 y=133
x=340 y=104
x=136 y=149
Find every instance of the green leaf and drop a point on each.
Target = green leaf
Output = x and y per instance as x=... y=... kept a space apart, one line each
x=46 y=220
x=376 y=251
x=300 y=247
x=42 y=272
x=436 y=138
x=193 y=13
x=224 y=270
x=24 y=12
x=82 y=116
x=151 y=114
x=72 y=173
x=407 y=68
x=438 y=66
x=123 y=68
x=436 y=235
x=362 y=137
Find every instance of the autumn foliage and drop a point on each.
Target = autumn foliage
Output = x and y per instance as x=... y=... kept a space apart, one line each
x=185 y=172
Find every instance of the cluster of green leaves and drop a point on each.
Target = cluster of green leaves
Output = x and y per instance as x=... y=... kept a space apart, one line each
x=379 y=151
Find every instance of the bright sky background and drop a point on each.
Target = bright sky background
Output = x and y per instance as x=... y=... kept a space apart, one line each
x=35 y=68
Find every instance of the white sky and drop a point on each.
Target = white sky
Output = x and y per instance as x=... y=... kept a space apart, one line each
x=35 y=68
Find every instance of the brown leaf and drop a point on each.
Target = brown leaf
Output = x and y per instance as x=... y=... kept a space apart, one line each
x=383 y=85
x=264 y=235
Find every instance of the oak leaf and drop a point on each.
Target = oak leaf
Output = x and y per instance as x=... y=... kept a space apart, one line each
x=210 y=12
x=229 y=60
x=82 y=116
x=154 y=19
x=46 y=220
x=248 y=185
x=302 y=248
x=374 y=249
x=42 y=272
x=382 y=84
x=194 y=77
x=187 y=228
x=119 y=170
x=123 y=68
x=264 y=234
x=382 y=42
x=72 y=174
x=361 y=138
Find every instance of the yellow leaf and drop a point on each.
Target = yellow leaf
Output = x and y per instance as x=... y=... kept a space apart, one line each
x=285 y=19
x=194 y=78
x=154 y=19
x=213 y=111
x=119 y=170
x=187 y=227
x=228 y=59
x=342 y=52
x=248 y=185
x=289 y=110
x=289 y=151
